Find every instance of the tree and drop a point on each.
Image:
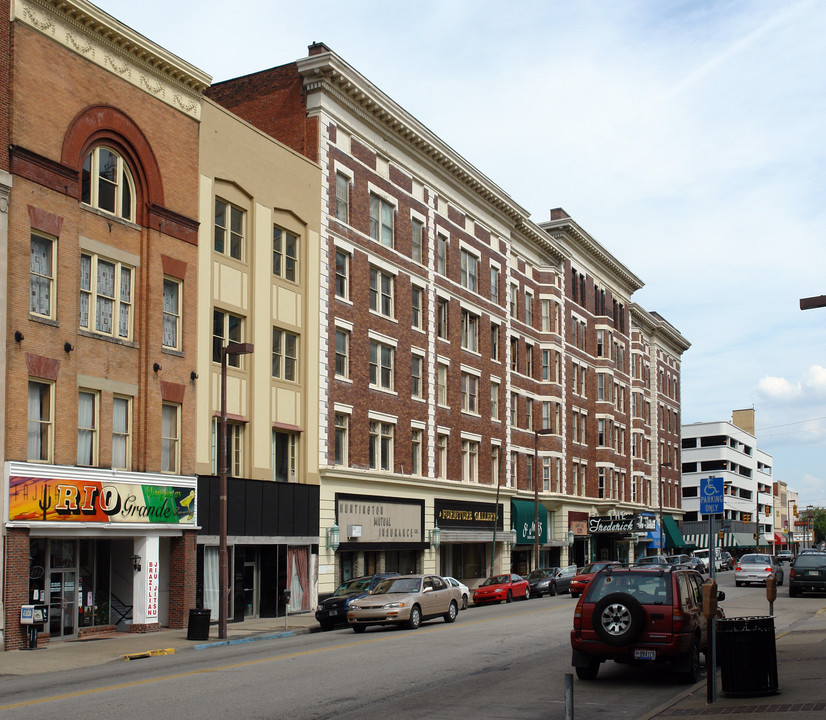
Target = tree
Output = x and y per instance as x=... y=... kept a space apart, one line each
x=819 y=523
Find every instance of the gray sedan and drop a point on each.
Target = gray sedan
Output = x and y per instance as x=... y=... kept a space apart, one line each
x=756 y=567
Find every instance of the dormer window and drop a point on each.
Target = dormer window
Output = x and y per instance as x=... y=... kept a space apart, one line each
x=107 y=184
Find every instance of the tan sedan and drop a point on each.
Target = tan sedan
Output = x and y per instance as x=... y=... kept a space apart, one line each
x=408 y=600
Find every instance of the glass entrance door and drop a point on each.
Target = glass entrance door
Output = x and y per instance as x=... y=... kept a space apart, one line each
x=62 y=603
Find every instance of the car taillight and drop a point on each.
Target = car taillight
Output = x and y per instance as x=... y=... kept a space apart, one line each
x=738 y=568
x=578 y=618
x=676 y=620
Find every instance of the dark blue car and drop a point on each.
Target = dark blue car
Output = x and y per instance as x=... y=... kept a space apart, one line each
x=332 y=611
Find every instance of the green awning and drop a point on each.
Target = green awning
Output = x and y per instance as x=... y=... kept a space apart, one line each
x=744 y=539
x=522 y=520
x=673 y=536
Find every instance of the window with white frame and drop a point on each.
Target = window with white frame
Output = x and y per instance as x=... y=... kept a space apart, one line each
x=88 y=403
x=441 y=254
x=122 y=432
x=441 y=318
x=170 y=438
x=172 y=313
x=285 y=455
x=529 y=472
x=441 y=384
x=285 y=355
x=601 y=383
x=529 y=413
x=529 y=308
x=546 y=364
x=342 y=198
x=513 y=297
x=494 y=341
x=229 y=229
x=40 y=439
x=284 y=254
x=546 y=474
x=106 y=183
x=381 y=445
x=514 y=409
x=342 y=353
x=470 y=331
x=494 y=401
x=469 y=270
x=529 y=360
x=342 y=274
x=106 y=296
x=417 y=299
x=42 y=275
x=600 y=343
x=381 y=292
x=495 y=463
x=441 y=455
x=601 y=430
x=381 y=365
x=470 y=393
x=470 y=460
x=601 y=482
x=545 y=315
x=342 y=438
x=514 y=467
x=515 y=354
x=226 y=328
x=417 y=240
x=494 y=283
x=381 y=220
x=416 y=375
x=416 y=436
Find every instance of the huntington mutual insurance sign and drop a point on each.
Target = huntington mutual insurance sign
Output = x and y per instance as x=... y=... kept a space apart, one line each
x=55 y=500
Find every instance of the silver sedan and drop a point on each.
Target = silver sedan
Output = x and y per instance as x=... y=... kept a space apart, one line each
x=756 y=567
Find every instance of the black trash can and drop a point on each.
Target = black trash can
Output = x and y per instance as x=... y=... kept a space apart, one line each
x=747 y=656
x=198 y=628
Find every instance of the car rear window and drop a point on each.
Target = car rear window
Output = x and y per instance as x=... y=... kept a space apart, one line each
x=648 y=588
x=756 y=559
x=810 y=560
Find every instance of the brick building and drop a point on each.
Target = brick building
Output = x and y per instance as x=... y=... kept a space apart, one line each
x=477 y=371
x=99 y=500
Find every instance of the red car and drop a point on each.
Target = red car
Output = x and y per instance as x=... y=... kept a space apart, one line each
x=639 y=615
x=497 y=588
x=580 y=581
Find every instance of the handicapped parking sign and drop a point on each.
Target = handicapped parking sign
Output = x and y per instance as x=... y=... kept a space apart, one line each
x=711 y=496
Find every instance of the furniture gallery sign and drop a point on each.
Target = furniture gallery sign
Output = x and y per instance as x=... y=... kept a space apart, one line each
x=460 y=515
x=621 y=525
x=366 y=519
x=55 y=500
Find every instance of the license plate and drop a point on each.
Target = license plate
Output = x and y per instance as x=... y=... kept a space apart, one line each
x=333 y=612
x=813 y=573
x=645 y=654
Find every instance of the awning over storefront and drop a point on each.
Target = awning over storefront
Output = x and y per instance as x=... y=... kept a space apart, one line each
x=743 y=539
x=673 y=536
x=730 y=540
x=522 y=520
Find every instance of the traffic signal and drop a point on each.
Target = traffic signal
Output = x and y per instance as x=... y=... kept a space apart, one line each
x=768 y=510
x=794 y=507
x=746 y=517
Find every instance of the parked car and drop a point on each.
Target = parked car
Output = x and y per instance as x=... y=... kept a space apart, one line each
x=755 y=568
x=728 y=561
x=507 y=587
x=332 y=611
x=651 y=560
x=785 y=556
x=808 y=574
x=405 y=600
x=580 y=581
x=550 y=581
x=703 y=554
x=641 y=614
x=679 y=561
x=464 y=589
x=696 y=564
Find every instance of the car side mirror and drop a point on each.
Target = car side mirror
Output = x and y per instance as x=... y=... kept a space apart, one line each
x=721 y=596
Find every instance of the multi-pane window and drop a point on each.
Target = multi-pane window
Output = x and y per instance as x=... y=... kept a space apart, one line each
x=529 y=308
x=470 y=460
x=284 y=254
x=514 y=410
x=441 y=255
x=381 y=220
x=546 y=364
x=342 y=198
x=416 y=435
x=601 y=392
x=514 y=465
x=235 y=435
x=121 y=432
x=41 y=275
x=469 y=271
x=600 y=343
x=106 y=296
x=342 y=438
x=172 y=313
x=494 y=401
x=494 y=284
x=529 y=360
x=601 y=438
x=513 y=296
x=441 y=318
x=226 y=328
x=284 y=354
x=381 y=365
x=441 y=456
x=170 y=438
x=514 y=354
x=342 y=353
x=529 y=472
x=417 y=240
x=229 y=229
x=87 y=427
x=545 y=315
x=494 y=341
x=417 y=296
x=381 y=292
x=106 y=183
x=546 y=474
x=342 y=274
x=441 y=384
x=470 y=392
x=546 y=415
x=470 y=331
x=40 y=438
x=284 y=456
x=495 y=465
x=381 y=445
x=529 y=414
x=416 y=372
x=601 y=482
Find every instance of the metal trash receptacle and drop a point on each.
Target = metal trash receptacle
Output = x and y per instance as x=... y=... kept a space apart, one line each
x=198 y=628
x=747 y=655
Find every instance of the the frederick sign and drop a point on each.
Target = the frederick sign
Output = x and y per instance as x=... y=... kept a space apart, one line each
x=621 y=525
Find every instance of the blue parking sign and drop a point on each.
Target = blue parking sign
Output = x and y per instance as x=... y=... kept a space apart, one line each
x=711 y=496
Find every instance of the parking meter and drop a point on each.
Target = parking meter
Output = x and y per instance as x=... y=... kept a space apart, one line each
x=771 y=591
x=710 y=599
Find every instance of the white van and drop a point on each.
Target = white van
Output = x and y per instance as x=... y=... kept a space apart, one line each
x=718 y=558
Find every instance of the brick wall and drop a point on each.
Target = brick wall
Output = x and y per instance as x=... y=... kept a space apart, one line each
x=182 y=567
x=16 y=568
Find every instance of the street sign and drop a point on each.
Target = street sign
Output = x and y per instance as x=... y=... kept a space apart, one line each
x=711 y=496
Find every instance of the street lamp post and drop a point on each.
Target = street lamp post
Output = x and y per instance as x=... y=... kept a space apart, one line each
x=536 y=434
x=223 y=556
x=660 y=488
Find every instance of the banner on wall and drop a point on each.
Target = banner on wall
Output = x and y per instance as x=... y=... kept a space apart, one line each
x=55 y=500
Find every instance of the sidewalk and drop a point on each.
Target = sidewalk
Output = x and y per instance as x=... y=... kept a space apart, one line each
x=97 y=650
x=801 y=671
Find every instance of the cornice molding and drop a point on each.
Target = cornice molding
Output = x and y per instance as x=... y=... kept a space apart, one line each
x=655 y=325
x=89 y=32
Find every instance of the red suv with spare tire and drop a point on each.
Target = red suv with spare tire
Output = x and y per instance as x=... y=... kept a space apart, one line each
x=639 y=615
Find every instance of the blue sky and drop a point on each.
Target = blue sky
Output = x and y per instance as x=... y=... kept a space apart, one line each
x=686 y=137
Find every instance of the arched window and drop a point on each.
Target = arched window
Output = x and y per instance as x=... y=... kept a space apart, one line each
x=107 y=183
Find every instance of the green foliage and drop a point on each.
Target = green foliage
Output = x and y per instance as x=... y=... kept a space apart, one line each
x=819 y=524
